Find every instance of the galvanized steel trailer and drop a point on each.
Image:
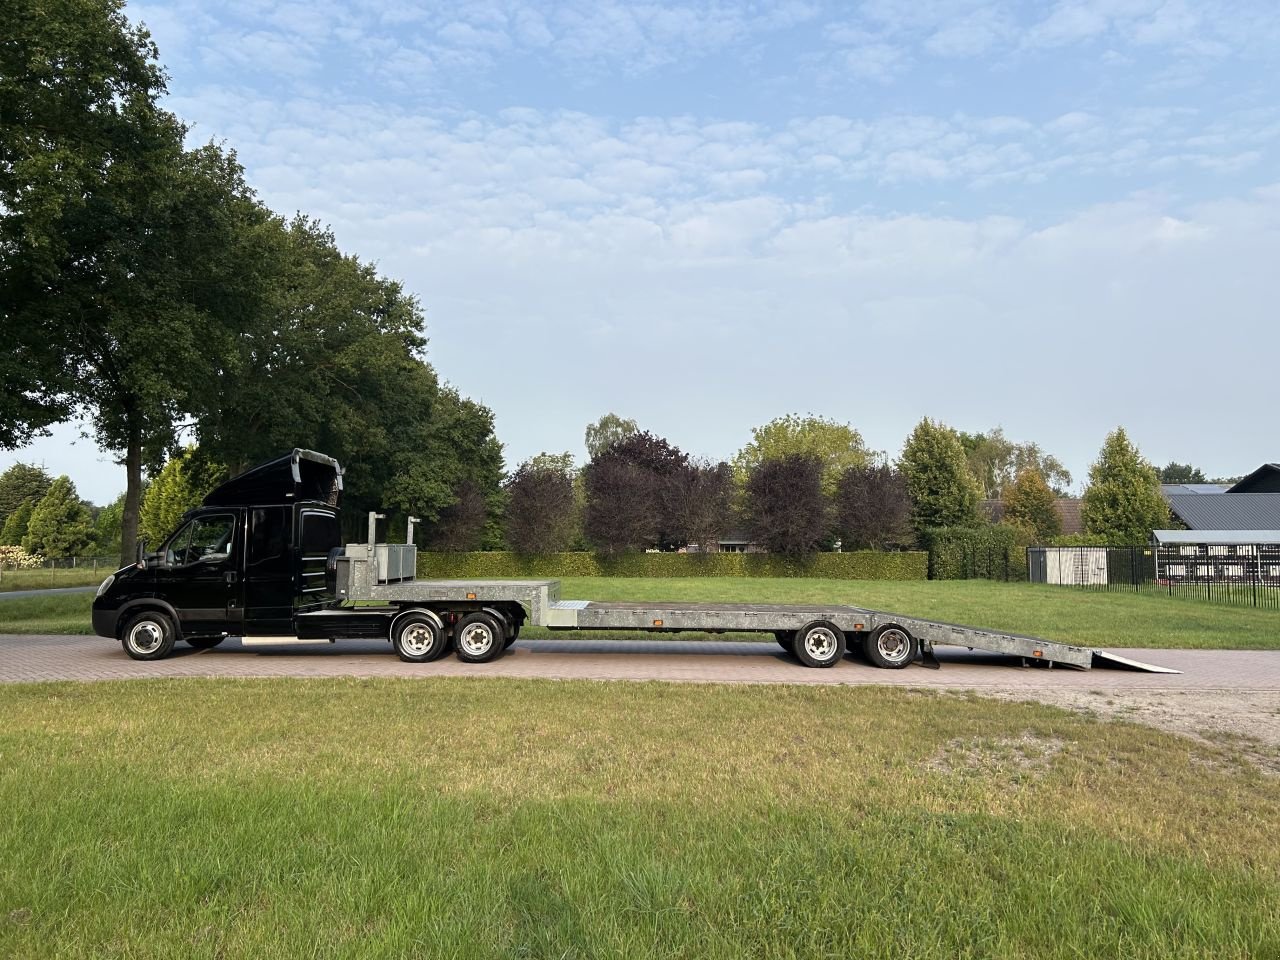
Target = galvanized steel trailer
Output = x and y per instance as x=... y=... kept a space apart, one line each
x=481 y=617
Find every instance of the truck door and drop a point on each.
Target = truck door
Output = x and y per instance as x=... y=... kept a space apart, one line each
x=268 y=579
x=200 y=575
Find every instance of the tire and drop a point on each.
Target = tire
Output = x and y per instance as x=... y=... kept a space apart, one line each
x=478 y=638
x=891 y=647
x=418 y=637
x=148 y=636
x=786 y=640
x=820 y=644
x=512 y=634
x=203 y=643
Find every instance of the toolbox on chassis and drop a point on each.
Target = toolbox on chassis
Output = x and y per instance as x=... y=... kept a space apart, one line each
x=262 y=559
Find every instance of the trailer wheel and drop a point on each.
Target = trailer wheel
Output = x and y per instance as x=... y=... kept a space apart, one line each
x=417 y=637
x=203 y=643
x=819 y=644
x=149 y=636
x=512 y=634
x=478 y=638
x=891 y=647
x=786 y=640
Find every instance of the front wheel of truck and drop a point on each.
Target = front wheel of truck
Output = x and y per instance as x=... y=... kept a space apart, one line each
x=149 y=636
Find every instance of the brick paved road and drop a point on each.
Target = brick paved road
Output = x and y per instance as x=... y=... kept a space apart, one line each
x=33 y=658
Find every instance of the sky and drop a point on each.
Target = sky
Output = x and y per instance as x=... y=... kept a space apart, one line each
x=1058 y=217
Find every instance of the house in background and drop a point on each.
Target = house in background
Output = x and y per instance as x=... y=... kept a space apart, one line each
x=1070 y=512
x=1251 y=504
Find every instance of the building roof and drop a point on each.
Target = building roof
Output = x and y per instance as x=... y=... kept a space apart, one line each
x=1227 y=511
x=1070 y=512
x=1171 y=488
x=1266 y=479
x=1227 y=537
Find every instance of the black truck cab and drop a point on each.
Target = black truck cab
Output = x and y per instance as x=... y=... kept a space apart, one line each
x=245 y=563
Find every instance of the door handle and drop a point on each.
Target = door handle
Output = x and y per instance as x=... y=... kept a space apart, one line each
x=231 y=576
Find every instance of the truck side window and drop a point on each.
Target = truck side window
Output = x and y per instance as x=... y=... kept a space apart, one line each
x=203 y=539
x=266 y=535
x=320 y=534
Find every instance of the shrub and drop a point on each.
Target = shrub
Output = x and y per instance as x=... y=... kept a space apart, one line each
x=994 y=552
x=15 y=558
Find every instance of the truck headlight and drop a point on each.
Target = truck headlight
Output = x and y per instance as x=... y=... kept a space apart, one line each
x=105 y=585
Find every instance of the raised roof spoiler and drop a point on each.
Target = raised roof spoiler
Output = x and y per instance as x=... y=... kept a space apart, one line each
x=300 y=475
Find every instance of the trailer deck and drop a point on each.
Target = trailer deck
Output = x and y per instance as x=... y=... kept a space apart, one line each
x=541 y=605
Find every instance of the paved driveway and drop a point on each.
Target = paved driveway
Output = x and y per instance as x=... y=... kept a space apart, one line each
x=93 y=658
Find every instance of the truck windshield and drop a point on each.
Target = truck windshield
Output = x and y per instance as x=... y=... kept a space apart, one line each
x=203 y=539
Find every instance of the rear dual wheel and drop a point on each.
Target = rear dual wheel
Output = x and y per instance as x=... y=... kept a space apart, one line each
x=891 y=647
x=819 y=644
x=478 y=638
x=418 y=638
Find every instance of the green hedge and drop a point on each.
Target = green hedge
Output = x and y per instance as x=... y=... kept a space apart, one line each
x=992 y=552
x=858 y=565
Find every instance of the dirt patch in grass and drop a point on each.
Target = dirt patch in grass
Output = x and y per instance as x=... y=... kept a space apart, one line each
x=1245 y=722
x=1005 y=758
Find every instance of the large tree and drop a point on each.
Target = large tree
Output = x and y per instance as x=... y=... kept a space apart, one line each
x=1029 y=503
x=995 y=462
x=60 y=524
x=1174 y=472
x=177 y=488
x=607 y=431
x=334 y=362
x=1123 y=501
x=699 y=502
x=542 y=508
x=22 y=483
x=123 y=275
x=16 y=524
x=873 y=508
x=837 y=446
x=629 y=502
x=943 y=492
x=785 y=505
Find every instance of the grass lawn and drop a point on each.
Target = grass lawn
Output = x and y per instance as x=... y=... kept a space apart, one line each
x=44 y=578
x=1055 y=613
x=496 y=818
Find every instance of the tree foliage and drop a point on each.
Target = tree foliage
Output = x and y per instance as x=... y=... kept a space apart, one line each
x=106 y=527
x=60 y=524
x=699 y=502
x=1174 y=472
x=629 y=500
x=22 y=483
x=786 y=508
x=1123 y=500
x=542 y=508
x=873 y=508
x=16 y=524
x=124 y=275
x=995 y=462
x=179 y=486
x=943 y=491
x=607 y=431
x=837 y=446
x=1029 y=503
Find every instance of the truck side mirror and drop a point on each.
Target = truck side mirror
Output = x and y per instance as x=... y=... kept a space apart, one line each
x=140 y=554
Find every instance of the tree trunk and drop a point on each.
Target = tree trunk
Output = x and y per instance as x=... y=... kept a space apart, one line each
x=132 y=495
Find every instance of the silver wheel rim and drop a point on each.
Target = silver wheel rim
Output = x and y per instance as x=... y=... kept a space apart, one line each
x=417 y=638
x=820 y=643
x=893 y=645
x=146 y=637
x=476 y=639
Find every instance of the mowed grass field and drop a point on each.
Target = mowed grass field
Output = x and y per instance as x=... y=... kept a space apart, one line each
x=498 y=818
x=1056 y=613
x=43 y=578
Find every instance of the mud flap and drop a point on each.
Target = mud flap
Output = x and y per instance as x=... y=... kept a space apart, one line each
x=1101 y=658
x=927 y=657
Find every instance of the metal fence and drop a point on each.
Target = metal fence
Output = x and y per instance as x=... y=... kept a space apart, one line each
x=1238 y=574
